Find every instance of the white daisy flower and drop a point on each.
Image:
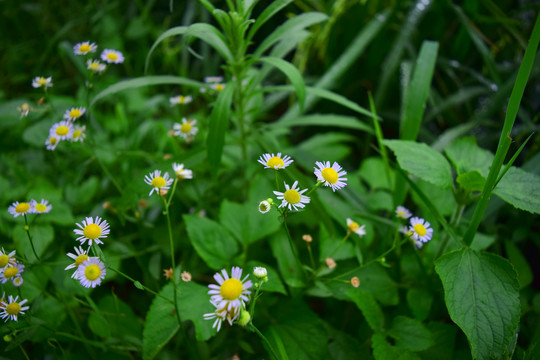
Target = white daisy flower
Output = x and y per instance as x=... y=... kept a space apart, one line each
x=10 y=272
x=10 y=308
x=18 y=281
x=40 y=81
x=84 y=48
x=264 y=207
x=260 y=272
x=221 y=314
x=180 y=100
x=62 y=130
x=41 y=207
x=80 y=256
x=112 y=56
x=158 y=182
x=95 y=66
x=92 y=230
x=7 y=259
x=403 y=212
x=213 y=79
x=182 y=173
x=271 y=161
x=230 y=293
x=79 y=133
x=405 y=231
x=24 y=109
x=74 y=113
x=217 y=87
x=421 y=230
x=52 y=142
x=91 y=272
x=292 y=197
x=19 y=208
x=355 y=228
x=331 y=175
x=186 y=129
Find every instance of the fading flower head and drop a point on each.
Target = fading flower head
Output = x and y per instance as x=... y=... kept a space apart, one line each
x=355 y=282
x=79 y=133
x=40 y=81
x=79 y=257
x=331 y=263
x=182 y=173
x=277 y=162
x=24 y=109
x=84 y=48
x=92 y=230
x=158 y=182
x=186 y=276
x=95 y=66
x=10 y=272
x=355 y=228
x=403 y=213
x=91 y=272
x=180 y=100
x=52 y=142
x=331 y=175
x=292 y=197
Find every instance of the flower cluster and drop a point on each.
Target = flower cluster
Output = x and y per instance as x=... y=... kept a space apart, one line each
x=32 y=207
x=108 y=56
x=162 y=184
x=419 y=229
x=11 y=269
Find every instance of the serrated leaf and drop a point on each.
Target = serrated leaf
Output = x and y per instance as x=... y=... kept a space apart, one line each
x=482 y=296
x=422 y=161
x=471 y=181
x=211 y=241
x=193 y=303
x=368 y=306
x=219 y=122
x=410 y=334
x=520 y=189
x=466 y=156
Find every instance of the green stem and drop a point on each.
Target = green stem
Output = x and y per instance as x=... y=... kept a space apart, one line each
x=171 y=243
x=291 y=243
x=315 y=187
x=265 y=340
x=27 y=229
x=139 y=284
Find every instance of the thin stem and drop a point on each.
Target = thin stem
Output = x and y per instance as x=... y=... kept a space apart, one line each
x=315 y=187
x=139 y=284
x=291 y=243
x=27 y=229
x=311 y=256
x=171 y=242
x=265 y=340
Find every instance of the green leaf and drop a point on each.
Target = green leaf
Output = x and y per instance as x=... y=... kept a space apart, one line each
x=274 y=283
x=291 y=26
x=121 y=321
x=373 y=172
x=211 y=241
x=271 y=10
x=419 y=301
x=347 y=122
x=382 y=350
x=219 y=122
x=471 y=181
x=422 y=161
x=193 y=303
x=520 y=189
x=81 y=194
x=482 y=296
x=368 y=306
x=410 y=334
x=444 y=337
x=520 y=263
x=288 y=265
x=160 y=325
x=210 y=35
x=466 y=156
x=42 y=236
x=292 y=74
x=482 y=241
x=415 y=99
x=175 y=31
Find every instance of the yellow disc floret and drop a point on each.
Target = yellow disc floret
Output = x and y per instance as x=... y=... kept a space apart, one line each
x=80 y=259
x=4 y=259
x=159 y=182
x=42 y=81
x=353 y=226
x=92 y=272
x=41 y=208
x=62 y=130
x=330 y=175
x=75 y=113
x=10 y=272
x=112 y=56
x=185 y=128
x=92 y=231
x=420 y=229
x=77 y=134
x=275 y=162
x=22 y=207
x=231 y=289
x=292 y=196
x=13 y=308
x=84 y=48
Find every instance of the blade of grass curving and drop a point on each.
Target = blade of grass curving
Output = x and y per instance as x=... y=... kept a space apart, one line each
x=208 y=5
x=292 y=73
x=391 y=63
x=145 y=81
x=266 y=15
x=175 y=31
x=380 y=138
x=219 y=121
x=511 y=162
x=213 y=37
x=342 y=121
x=505 y=139
x=299 y=22
x=479 y=43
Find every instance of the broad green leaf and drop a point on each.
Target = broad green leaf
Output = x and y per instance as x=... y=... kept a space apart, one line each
x=210 y=35
x=219 y=122
x=211 y=241
x=520 y=189
x=419 y=301
x=523 y=269
x=271 y=10
x=373 y=173
x=292 y=74
x=161 y=324
x=145 y=81
x=193 y=303
x=368 y=306
x=42 y=237
x=289 y=266
x=471 y=181
x=442 y=199
x=382 y=350
x=482 y=241
x=466 y=156
x=414 y=103
x=245 y=222
x=52 y=313
x=121 y=321
x=343 y=346
x=422 y=161
x=444 y=337
x=175 y=31
x=333 y=246
x=292 y=25
x=82 y=193
x=274 y=283
x=482 y=296
x=36 y=134
x=410 y=334
x=347 y=122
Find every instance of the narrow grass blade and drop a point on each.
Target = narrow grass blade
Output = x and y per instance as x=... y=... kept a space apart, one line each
x=266 y=15
x=292 y=73
x=175 y=31
x=219 y=121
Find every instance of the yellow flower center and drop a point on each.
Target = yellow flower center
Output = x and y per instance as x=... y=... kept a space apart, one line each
x=112 y=56
x=22 y=207
x=13 y=308
x=80 y=259
x=75 y=113
x=92 y=231
x=62 y=130
x=52 y=140
x=400 y=213
x=185 y=128
x=275 y=161
x=25 y=107
x=77 y=134
x=420 y=229
x=42 y=81
x=231 y=289
x=10 y=272
x=353 y=226
x=220 y=87
x=4 y=259
x=92 y=272
x=330 y=175
x=292 y=196
x=159 y=182
x=181 y=99
x=41 y=207
x=94 y=65
x=263 y=207
x=84 y=48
